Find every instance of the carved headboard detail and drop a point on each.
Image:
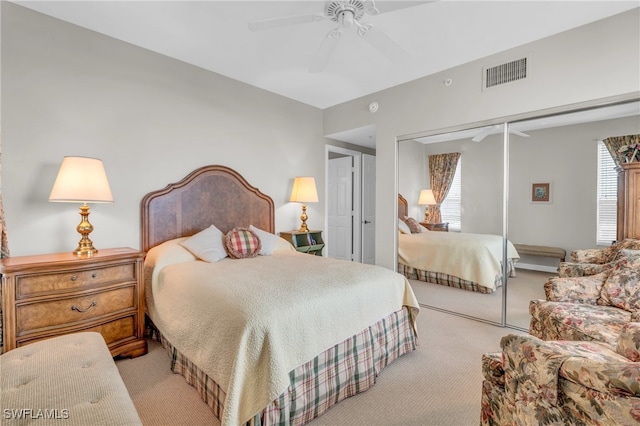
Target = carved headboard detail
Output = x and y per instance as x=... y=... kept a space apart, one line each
x=403 y=207
x=209 y=195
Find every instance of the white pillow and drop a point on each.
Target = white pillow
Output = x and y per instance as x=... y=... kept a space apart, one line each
x=267 y=239
x=403 y=227
x=283 y=245
x=207 y=245
x=424 y=229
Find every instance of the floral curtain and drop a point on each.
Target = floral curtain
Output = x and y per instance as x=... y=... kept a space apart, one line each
x=4 y=244
x=442 y=169
x=623 y=149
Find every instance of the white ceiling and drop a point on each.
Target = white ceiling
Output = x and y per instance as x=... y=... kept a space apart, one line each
x=439 y=35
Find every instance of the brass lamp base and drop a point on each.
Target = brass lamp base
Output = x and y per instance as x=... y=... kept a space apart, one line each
x=85 y=245
x=303 y=218
x=426 y=215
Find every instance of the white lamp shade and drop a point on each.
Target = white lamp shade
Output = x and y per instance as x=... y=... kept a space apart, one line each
x=81 y=179
x=426 y=198
x=304 y=190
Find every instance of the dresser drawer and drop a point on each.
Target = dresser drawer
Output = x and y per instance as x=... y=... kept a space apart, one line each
x=114 y=332
x=65 y=281
x=71 y=310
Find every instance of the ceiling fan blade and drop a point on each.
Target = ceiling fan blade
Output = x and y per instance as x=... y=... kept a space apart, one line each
x=483 y=134
x=325 y=51
x=383 y=43
x=519 y=133
x=491 y=130
x=267 y=24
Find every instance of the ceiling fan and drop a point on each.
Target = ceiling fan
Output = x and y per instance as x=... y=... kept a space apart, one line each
x=347 y=14
x=496 y=128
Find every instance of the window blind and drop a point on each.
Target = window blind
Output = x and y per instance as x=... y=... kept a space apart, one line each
x=451 y=207
x=607 y=197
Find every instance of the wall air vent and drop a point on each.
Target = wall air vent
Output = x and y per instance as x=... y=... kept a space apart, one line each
x=505 y=73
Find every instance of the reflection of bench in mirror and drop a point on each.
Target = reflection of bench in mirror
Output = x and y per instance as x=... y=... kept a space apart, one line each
x=546 y=251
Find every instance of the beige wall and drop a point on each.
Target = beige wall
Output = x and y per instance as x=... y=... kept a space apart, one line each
x=585 y=66
x=69 y=91
x=151 y=119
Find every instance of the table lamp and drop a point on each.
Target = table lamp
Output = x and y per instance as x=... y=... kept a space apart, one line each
x=426 y=198
x=304 y=191
x=82 y=180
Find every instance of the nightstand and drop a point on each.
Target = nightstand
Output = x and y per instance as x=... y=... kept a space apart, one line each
x=444 y=227
x=49 y=295
x=307 y=242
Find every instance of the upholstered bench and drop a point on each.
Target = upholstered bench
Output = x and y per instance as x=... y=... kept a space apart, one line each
x=547 y=251
x=65 y=380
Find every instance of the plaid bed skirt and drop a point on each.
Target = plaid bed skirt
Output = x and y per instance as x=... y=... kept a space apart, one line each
x=346 y=369
x=451 y=280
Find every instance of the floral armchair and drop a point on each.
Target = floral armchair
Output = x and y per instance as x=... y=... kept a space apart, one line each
x=535 y=382
x=594 y=261
x=594 y=307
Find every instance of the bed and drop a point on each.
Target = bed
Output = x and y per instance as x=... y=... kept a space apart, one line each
x=272 y=339
x=463 y=260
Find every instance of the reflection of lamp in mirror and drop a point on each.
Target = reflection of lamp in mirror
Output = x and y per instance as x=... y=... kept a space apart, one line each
x=82 y=180
x=304 y=191
x=426 y=199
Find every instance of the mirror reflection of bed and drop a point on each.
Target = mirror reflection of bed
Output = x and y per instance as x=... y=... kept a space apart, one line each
x=562 y=154
x=431 y=261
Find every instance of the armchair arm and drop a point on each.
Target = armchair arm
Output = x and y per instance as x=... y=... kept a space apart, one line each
x=571 y=269
x=599 y=256
x=532 y=368
x=492 y=368
x=629 y=341
x=575 y=289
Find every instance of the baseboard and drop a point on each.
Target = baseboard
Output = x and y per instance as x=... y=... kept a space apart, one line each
x=532 y=267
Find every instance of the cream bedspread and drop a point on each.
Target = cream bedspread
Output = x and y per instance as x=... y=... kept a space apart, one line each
x=247 y=323
x=473 y=257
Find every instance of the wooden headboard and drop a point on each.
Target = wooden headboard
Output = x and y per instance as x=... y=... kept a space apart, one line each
x=210 y=195
x=403 y=207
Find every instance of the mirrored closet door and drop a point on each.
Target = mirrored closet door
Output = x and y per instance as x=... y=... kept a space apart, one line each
x=480 y=172
x=554 y=156
x=561 y=155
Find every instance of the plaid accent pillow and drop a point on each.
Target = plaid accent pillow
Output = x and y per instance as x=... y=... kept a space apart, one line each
x=413 y=224
x=242 y=243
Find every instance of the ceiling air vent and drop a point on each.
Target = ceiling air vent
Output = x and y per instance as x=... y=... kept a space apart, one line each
x=505 y=73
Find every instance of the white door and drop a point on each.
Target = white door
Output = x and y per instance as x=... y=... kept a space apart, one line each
x=368 y=209
x=340 y=208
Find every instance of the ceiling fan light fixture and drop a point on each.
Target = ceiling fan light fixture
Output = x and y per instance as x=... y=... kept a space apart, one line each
x=336 y=10
x=346 y=18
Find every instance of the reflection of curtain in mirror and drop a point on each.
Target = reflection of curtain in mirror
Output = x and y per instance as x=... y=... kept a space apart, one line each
x=614 y=144
x=442 y=170
x=4 y=245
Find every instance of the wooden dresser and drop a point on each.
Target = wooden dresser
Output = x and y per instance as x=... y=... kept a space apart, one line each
x=49 y=295
x=443 y=227
x=628 y=201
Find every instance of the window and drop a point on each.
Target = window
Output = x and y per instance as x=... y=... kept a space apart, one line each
x=451 y=207
x=607 y=197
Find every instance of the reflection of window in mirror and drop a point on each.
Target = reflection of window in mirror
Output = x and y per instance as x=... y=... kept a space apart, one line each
x=451 y=206
x=607 y=197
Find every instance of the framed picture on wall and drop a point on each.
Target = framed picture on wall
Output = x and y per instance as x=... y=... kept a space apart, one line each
x=541 y=192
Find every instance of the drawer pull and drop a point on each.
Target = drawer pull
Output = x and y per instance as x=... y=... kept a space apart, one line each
x=73 y=278
x=94 y=275
x=91 y=306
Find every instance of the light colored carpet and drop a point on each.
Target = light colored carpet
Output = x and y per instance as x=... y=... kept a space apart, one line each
x=438 y=384
x=526 y=286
